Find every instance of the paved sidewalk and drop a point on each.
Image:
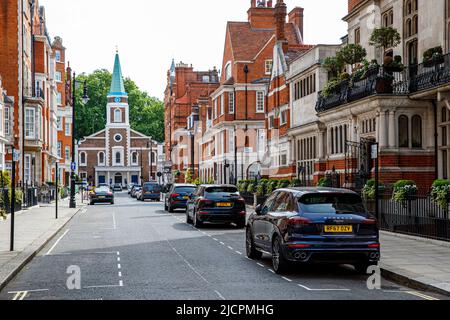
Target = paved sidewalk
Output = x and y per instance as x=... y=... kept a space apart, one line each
x=416 y=262
x=34 y=228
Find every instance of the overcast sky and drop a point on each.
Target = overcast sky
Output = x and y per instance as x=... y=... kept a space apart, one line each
x=150 y=32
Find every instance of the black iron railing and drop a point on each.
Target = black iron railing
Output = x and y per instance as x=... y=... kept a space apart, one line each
x=430 y=74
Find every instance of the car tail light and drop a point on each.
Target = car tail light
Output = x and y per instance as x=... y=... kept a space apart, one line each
x=370 y=222
x=242 y=213
x=375 y=246
x=203 y=213
x=110 y=194
x=299 y=221
x=204 y=203
x=175 y=195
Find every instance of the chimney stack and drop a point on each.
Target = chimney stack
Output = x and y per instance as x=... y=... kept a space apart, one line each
x=296 y=18
x=280 y=22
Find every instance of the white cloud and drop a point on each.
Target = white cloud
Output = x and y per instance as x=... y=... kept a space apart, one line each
x=150 y=33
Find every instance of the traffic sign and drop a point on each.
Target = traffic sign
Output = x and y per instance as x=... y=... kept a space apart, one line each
x=73 y=166
x=16 y=155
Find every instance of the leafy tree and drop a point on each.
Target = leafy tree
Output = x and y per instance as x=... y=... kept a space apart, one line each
x=334 y=65
x=146 y=113
x=352 y=54
x=385 y=37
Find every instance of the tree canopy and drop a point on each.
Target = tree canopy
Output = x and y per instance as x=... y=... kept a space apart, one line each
x=146 y=112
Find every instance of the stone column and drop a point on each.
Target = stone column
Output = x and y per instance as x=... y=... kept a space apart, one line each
x=392 y=130
x=321 y=145
x=382 y=127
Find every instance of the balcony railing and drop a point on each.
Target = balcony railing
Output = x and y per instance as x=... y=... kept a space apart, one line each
x=375 y=81
x=413 y=79
x=430 y=74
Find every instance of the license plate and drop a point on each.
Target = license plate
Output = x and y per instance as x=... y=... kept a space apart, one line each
x=224 y=204
x=339 y=229
x=186 y=198
x=101 y=197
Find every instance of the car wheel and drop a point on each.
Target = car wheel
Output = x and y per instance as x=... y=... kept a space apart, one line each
x=279 y=263
x=252 y=253
x=362 y=268
x=170 y=209
x=166 y=208
x=188 y=218
x=197 y=223
x=241 y=224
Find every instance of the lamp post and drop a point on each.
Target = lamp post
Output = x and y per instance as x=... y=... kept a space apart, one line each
x=72 y=203
x=150 y=146
x=15 y=158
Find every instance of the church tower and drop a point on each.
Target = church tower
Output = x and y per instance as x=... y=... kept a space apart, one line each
x=117 y=108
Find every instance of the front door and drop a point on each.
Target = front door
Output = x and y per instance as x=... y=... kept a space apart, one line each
x=135 y=179
x=101 y=179
x=118 y=179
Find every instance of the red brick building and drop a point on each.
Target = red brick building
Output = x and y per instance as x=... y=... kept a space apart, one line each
x=185 y=87
x=118 y=154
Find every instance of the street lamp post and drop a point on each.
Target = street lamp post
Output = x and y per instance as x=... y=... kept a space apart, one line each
x=15 y=158
x=72 y=203
x=150 y=146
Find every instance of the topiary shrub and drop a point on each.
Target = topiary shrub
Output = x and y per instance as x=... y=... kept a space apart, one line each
x=368 y=191
x=261 y=188
x=251 y=187
x=295 y=183
x=440 y=193
x=271 y=186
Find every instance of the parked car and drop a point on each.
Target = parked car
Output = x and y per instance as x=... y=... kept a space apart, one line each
x=314 y=225
x=178 y=196
x=134 y=190
x=219 y=204
x=101 y=195
x=117 y=187
x=150 y=191
x=130 y=187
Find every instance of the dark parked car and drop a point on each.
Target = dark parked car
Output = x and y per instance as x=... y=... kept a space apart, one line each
x=134 y=190
x=117 y=187
x=219 y=204
x=178 y=196
x=101 y=195
x=302 y=225
x=150 y=191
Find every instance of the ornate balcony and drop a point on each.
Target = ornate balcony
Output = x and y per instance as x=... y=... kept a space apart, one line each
x=375 y=81
x=430 y=75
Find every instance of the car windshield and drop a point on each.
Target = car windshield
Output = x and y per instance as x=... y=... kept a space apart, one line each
x=102 y=189
x=152 y=187
x=332 y=204
x=184 y=189
x=221 y=190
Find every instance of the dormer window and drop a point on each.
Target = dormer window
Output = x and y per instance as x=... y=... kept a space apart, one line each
x=117 y=116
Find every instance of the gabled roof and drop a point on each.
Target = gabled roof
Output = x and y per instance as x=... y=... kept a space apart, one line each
x=247 y=42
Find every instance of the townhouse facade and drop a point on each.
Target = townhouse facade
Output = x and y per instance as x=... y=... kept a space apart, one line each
x=5 y=106
x=28 y=69
x=234 y=145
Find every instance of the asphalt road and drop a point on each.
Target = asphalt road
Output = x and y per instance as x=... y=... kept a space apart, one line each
x=135 y=250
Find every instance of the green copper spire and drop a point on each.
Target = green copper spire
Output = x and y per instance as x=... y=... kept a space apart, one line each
x=117 y=84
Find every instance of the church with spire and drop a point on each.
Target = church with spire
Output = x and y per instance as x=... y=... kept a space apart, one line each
x=117 y=154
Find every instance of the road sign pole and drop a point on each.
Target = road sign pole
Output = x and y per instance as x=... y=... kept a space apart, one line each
x=57 y=191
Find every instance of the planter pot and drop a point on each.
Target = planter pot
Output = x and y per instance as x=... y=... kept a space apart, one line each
x=384 y=86
x=434 y=61
x=393 y=69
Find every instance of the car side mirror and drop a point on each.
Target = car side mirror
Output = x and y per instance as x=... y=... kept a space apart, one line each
x=258 y=210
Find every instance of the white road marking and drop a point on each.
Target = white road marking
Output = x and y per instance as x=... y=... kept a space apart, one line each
x=21 y=295
x=106 y=286
x=220 y=296
x=120 y=274
x=114 y=221
x=421 y=295
x=260 y=264
x=188 y=264
x=56 y=243
x=222 y=243
x=239 y=253
x=215 y=239
x=287 y=279
x=118 y=259
x=309 y=289
x=231 y=248
x=38 y=290
x=118 y=253
x=271 y=271
x=119 y=266
x=120 y=283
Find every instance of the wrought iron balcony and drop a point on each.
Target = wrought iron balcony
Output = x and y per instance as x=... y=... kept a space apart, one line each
x=431 y=74
x=375 y=81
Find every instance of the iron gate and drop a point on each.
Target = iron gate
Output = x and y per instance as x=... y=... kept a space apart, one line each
x=358 y=163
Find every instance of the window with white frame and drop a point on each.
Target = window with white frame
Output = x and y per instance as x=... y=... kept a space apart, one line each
x=7 y=121
x=58 y=56
x=283 y=117
x=118 y=157
x=231 y=102
x=222 y=107
x=30 y=125
x=67 y=153
x=268 y=66
x=59 y=98
x=27 y=168
x=205 y=79
x=1 y=120
x=134 y=158
x=68 y=130
x=271 y=122
x=228 y=71
x=58 y=76
x=101 y=158
x=231 y=138
x=260 y=105
x=117 y=116
x=83 y=159
x=59 y=149
x=215 y=109
x=59 y=123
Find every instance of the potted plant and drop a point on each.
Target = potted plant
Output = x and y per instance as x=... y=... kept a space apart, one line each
x=384 y=84
x=283 y=184
x=334 y=66
x=271 y=186
x=352 y=54
x=433 y=56
x=404 y=190
x=384 y=38
x=395 y=65
x=369 y=189
x=261 y=188
x=440 y=193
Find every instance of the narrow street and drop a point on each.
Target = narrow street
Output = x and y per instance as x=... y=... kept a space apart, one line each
x=135 y=250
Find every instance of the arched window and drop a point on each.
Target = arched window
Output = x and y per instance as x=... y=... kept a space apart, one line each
x=117 y=116
x=134 y=157
x=410 y=23
x=118 y=157
x=403 y=129
x=416 y=130
x=228 y=71
x=415 y=25
x=101 y=158
x=83 y=158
